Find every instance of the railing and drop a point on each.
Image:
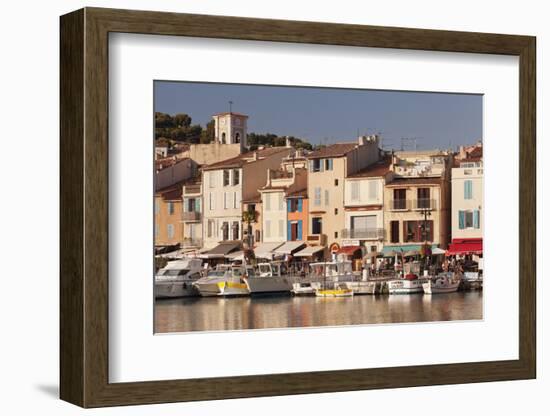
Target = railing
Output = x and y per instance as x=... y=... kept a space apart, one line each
x=192 y=242
x=400 y=204
x=320 y=239
x=365 y=233
x=191 y=216
x=424 y=203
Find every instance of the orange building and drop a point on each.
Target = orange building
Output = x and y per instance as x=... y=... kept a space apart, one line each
x=168 y=215
x=297 y=215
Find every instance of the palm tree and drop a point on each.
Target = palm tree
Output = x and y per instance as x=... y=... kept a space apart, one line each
x=249 y=217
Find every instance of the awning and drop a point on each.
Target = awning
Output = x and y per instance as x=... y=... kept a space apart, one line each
x=349 y=250
x=236 y=255
x=309 y=251
x=465 y=246
x=265 y=250
x=221 y=250
x=403 y=248
x=289 y=247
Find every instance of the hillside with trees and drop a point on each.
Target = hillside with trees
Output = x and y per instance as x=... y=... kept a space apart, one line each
x=179 y=128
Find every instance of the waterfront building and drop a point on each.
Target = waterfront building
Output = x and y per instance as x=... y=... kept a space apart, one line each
x=328 y=167
x=417 y=200
x=467 y=201
x=226 y=184
x=168 y=212
x=192 y=214
x=364 y=229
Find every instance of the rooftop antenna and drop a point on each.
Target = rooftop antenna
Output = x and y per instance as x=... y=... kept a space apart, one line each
x=230 y=106
x=414 y=140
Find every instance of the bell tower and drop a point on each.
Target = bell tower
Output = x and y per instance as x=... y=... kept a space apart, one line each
x=230 y=128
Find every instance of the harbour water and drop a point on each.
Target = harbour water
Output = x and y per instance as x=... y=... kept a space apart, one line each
x=217 y=314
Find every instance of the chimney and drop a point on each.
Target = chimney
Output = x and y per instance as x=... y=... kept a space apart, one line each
x=362 y=140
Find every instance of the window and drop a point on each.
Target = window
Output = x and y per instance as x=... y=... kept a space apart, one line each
x=225 y=178
x=373 y=190
x=335 y=211
x=225 y=231
x=267 y=231
x=328 y=164
x=210 y=201
x=225 y=200
x=399 y=199
x=170 y=230
x=257 y=236
x=335 y=234
x=281 y=228
x=237 y=138
x=170 y=208
x=418 y=231
x=235 y=230
x=316 y=225
x=316 y=165
x=211 y=179
x=423 y=198
x=468 y=219
x=234 y=199
x=209 y=228
x=268 y=202
x=468 y=191
x=335 y=182
x=236 y=176
x=355 y=191
x=223 y=138
x=326 y=197
x=317 y=200
x=394 y=229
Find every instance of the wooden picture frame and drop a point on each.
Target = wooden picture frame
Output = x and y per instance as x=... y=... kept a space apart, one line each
x=84 y=207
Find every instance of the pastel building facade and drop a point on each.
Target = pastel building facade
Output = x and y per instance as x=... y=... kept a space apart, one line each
x=226 y=184
x=417 y=200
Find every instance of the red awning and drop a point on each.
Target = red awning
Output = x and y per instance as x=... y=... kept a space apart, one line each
x=348 y=250
x=465 y=246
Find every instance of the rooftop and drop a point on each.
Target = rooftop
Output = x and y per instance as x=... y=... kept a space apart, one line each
x=415 y=181
x=333 y=150
x=374 y=170
x=248 y=157
x=172 y=192
x=225 y=113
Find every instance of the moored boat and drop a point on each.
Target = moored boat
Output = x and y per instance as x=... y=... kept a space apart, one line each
x=177 y=277
x=225 y=281
x=336 y=291
x=444 y=283
x=305 y=288
x=270 y=278
x=410 y=284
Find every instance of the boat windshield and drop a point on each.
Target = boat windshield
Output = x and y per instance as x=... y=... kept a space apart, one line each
x=173 y=272
x=264 y=268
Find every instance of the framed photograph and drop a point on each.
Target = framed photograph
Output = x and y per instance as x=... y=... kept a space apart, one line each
x=254 y=207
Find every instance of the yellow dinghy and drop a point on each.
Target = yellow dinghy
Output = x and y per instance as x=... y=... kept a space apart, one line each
x=334 y=293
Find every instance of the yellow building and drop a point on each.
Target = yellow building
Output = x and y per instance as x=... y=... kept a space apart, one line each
x=168 y=214
x=417 y=201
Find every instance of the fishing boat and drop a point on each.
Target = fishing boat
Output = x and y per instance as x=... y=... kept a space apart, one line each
x=332 y=277
x=177 y=277
x=305 y=288
x=410 y=284
x=270 y=278
x=443 y=283
x=363 y=287
x=225 y=281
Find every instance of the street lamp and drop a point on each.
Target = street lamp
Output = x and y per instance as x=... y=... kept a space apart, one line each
x=426 y=212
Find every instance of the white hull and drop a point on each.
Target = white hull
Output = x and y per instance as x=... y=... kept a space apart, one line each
x=305 y=288
x=175 y=289
x=405 y=287
x=271 y=284
x=364 y=288
x=440 y=286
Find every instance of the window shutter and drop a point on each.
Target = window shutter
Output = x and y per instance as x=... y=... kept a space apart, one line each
x=311 y=165
x=288 y=231
x=461 y=219
x=329 y=164
x=300 y=205
x=299 y=236
x=321 y=165
x=289 y=205
x=197 y=205
x=476 y=218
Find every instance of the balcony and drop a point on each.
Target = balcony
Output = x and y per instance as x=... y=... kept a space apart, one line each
x=364 y=233
x=317 y=239
x=400 y=204
x=191 y=216
x=189 y=242
x=424 y=203
x=194 y=189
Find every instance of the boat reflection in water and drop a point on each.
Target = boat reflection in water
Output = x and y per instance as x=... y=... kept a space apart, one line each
x=217 y=313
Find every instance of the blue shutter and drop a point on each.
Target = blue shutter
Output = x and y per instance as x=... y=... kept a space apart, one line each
x=476 y=218
x=299 y=204
x=299 y=237
x=288 y=231
x=289 y=205
x=197 y=205
x=461 y=219
x=468 y=189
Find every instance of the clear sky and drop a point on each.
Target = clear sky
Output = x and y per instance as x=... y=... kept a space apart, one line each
x=328 y=115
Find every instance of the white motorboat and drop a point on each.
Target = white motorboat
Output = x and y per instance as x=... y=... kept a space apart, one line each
x=225 y=281
x=270 y=278
x=177 y=277
x=444 y=283
x=363 y=287
x=405 y=286
x=305 y=288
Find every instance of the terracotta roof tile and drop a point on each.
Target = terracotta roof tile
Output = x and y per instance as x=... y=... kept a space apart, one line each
x=374 y=170
x=333 y=150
